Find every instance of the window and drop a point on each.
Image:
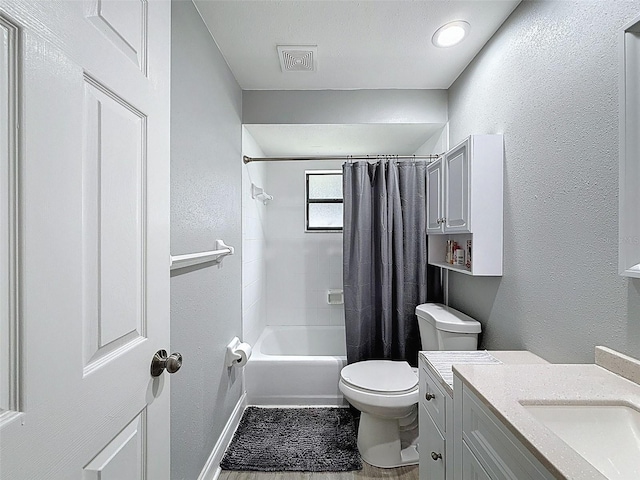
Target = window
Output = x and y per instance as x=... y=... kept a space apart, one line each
x=323 y=200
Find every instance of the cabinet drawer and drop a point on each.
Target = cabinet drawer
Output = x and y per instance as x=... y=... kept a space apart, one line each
x=433 y=399
x=501 y=454
x=471 y=468
x=432 y=449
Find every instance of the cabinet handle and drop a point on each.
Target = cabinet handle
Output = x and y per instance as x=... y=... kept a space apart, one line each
x=436 y=456
x=429 y=396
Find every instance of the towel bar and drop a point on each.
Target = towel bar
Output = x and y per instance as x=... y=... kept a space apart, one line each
x=190 y=259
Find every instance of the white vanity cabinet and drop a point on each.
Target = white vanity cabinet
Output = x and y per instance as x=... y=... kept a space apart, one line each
x=436 y=427
x=465 y=203
x=487 y=448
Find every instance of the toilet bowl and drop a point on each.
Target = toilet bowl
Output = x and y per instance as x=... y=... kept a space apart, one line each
x=386 y=391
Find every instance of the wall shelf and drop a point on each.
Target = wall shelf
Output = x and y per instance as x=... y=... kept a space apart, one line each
x=455 y=268
x=191 y=259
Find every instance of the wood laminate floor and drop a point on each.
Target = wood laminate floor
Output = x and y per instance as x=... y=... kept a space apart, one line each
x=368 y=472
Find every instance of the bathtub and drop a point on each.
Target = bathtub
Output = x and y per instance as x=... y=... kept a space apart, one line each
x=296 y=365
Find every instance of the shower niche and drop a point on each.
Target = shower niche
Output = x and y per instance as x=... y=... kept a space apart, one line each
x=465 y=205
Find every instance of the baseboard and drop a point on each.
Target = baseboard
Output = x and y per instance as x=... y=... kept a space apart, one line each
x=211 y=469
x=297 y=400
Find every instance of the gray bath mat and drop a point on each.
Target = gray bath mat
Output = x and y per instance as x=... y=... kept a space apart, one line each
x=294 y=440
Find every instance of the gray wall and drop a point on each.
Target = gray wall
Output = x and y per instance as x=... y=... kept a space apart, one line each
x=206 y=312
x=344 y=106
x=548 y=80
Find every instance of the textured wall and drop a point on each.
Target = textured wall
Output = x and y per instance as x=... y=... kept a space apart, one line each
x=205 y=205
x=301 y=266
x=548 y=80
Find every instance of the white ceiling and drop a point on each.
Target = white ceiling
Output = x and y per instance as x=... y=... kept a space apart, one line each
x=366 y=44
x=363 y=139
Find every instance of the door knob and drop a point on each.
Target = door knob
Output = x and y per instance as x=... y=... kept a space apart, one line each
x=161 y=361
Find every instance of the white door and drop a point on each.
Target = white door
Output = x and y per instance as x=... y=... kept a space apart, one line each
x=456 y=201
x=87 y=238
x=434 y=197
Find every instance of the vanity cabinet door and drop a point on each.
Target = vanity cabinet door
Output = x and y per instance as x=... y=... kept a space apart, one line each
x=497 y=449
x=433 y=399
x=432 y=449
x=435 y=181
x=471 y=468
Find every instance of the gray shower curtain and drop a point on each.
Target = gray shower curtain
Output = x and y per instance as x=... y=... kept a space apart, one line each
x=385 y=259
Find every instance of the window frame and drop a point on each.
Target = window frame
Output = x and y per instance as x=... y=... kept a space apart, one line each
x=308 y=201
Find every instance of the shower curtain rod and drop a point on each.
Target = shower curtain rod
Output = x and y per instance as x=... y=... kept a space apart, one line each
x=247 y=159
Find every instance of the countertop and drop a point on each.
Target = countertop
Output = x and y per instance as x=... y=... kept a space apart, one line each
x=507 y=357
x=505 y=388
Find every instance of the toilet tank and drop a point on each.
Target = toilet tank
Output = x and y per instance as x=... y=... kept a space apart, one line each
x=445 y=328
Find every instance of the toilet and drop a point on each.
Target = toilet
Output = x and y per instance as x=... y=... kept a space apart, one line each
x=386 y=391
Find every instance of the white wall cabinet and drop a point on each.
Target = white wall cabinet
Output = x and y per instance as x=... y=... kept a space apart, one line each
x=465 y=203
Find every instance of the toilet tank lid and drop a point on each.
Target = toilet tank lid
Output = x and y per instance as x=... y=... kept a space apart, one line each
x=447 y=319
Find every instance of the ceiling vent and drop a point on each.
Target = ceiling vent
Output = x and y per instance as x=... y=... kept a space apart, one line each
x=298 y=58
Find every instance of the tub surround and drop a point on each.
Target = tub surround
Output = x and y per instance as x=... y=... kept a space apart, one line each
x=504 y=389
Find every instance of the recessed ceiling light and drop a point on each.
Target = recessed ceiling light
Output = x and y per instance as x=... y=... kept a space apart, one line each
x=450 y=34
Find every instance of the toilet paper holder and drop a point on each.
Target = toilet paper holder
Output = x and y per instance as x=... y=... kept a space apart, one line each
x=237 y=353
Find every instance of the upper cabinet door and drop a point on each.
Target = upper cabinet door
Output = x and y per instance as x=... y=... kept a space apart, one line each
x=456 y=191
x=435 y=174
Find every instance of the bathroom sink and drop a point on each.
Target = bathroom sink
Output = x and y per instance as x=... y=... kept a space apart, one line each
x=607 y=436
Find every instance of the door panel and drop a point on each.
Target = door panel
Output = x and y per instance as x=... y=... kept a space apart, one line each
x=124 y=24
x=93 y=170
x=434 y=197
x=124 y=458
x=457 y=190
x=114 y=210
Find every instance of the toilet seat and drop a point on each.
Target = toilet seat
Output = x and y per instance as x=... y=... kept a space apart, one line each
x=385 y=377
